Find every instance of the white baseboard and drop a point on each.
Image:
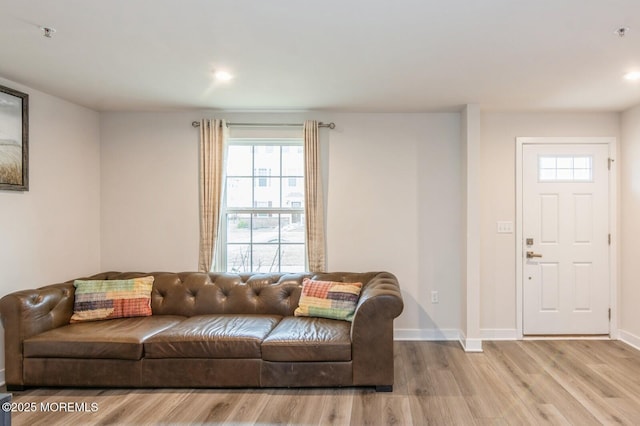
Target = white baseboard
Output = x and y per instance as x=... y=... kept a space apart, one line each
x=427 y=334
x=470 y=345
x=437 y=334
x=499 y=334
x=629 y=338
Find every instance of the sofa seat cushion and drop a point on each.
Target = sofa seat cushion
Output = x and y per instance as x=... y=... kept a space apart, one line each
x=109 y=339
x=308 y=339
x=213 y=336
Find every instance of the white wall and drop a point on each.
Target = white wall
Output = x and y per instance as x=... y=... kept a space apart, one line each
x=52 y=232
x=393 y=199
x=499 y=130
x=470 y=255
x=465 y=128
x=149 y=216
x=394 y=204
x=629 y=161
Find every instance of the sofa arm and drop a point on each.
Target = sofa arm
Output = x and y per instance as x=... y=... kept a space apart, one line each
x=27 y=313
x=372 y=331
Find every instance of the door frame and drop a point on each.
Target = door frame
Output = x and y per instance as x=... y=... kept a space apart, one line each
x=613 y=222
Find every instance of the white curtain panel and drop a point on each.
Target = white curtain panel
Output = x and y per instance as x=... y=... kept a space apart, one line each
x=213 y=135
x=314 y=208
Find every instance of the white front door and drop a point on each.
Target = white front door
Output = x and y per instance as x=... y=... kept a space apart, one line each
x=565 y=230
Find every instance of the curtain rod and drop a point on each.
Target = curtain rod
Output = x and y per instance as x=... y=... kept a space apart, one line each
x=321 y=124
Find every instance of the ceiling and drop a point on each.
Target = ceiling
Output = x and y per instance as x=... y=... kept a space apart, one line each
x=337 y=55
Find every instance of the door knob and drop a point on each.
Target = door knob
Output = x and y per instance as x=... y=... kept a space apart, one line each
x=531 y=255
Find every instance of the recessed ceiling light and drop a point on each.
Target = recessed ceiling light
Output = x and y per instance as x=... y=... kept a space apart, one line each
x=634 y=75
x=223 y=76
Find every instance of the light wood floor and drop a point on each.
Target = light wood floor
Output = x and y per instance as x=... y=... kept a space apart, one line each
x=530 y=382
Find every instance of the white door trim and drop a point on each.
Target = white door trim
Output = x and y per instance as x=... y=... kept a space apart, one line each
x=613 y=222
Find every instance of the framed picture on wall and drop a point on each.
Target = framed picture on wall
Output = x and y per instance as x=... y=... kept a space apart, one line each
x=14 y=140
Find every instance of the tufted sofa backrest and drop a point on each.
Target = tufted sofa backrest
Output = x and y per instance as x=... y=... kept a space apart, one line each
x=194 y=293
x=198 y=293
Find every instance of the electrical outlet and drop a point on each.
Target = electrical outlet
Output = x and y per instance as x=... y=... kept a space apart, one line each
x=434 y=297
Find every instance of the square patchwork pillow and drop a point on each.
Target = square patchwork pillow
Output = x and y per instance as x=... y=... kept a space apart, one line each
x=107 y=299
x=328 y=299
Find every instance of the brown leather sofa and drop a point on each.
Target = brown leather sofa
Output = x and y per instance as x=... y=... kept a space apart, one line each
x=207 y=330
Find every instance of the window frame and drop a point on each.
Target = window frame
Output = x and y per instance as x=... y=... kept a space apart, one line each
x=221 y=258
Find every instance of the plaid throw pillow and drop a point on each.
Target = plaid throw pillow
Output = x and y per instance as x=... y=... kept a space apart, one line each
x=108 y=299
x=328 y=299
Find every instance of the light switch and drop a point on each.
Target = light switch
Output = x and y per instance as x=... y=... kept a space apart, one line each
x=505 y=227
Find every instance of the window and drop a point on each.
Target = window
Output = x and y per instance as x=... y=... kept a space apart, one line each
x=565 y=169
x=262 y=181
x=263 y=225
